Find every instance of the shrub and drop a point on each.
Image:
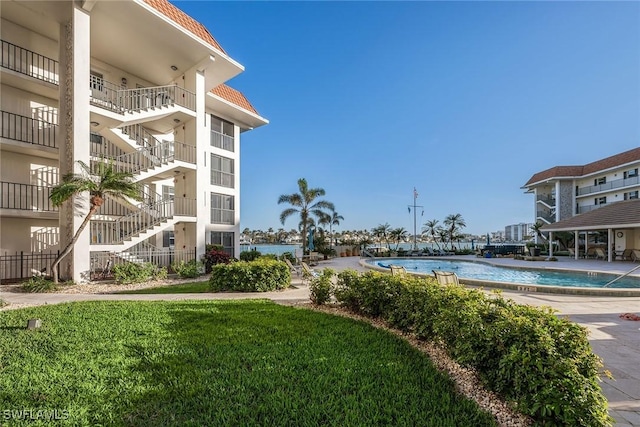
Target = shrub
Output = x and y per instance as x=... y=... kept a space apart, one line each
x=528 y=355
x=3 y=303
x=188 y=270
x=261 y=275
x=39 y=284
x=131 y=272
x=250 y=255
x=321 y=287
x=213 y=257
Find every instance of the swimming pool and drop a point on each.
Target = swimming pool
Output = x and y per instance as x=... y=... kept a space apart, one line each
x=490 y=273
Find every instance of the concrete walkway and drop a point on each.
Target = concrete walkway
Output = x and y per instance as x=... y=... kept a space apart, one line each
x=615 y=340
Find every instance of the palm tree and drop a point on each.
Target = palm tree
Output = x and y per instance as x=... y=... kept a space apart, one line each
x=454 y=223
x=304 y=203
x=397 y=235
x=382 y=232
x=331 y=219
x=433 y=229
x=101 y=182
x=537 y=229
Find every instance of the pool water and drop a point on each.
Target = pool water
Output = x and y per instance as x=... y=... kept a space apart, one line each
x=481 y=271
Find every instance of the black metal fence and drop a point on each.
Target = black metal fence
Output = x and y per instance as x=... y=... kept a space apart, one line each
x=22 y=266
x=25 y=129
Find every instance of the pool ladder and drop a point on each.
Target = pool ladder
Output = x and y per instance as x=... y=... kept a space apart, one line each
x=621 y=276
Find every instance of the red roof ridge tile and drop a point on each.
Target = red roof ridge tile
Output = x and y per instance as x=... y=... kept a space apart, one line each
x=576 y=171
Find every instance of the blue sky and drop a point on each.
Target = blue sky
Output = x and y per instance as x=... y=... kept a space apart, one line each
x=462 y=100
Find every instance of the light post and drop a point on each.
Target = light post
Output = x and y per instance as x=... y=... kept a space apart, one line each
x=415 y=196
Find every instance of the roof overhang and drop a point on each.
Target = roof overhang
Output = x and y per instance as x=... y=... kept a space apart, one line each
x=133 y=35
x=618 y=215
x=246 y=119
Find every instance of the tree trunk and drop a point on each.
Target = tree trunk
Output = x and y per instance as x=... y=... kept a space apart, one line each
x=67 y=250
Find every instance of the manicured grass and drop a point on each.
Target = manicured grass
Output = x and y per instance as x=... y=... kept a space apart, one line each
x=183 y=288
x=197 y=363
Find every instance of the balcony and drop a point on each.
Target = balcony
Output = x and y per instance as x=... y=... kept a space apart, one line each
x=25 y=129
x=25 y=197
x=28 y=63
x=611 y=185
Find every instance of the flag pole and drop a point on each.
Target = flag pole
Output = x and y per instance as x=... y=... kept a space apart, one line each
x=415 y=197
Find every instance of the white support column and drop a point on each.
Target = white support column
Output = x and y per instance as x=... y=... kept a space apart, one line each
x=550 y=244
x=74 y=120
x=236 y=150
x=203 y=177
x=610 y=247
x=576 y=244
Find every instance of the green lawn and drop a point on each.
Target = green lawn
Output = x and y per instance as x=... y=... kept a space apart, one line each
x=218 y=363
x=184 y=288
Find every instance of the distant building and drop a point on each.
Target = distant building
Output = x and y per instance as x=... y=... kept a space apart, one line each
x=598 y=197
x=518 y=232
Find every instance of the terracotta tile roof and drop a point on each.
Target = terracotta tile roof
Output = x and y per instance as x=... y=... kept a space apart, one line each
x=625 y=213
x=234 y=96
x=632 y=155
x=185 y=21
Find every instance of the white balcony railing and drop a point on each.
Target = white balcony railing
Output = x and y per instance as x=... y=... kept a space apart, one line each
x=611 y=185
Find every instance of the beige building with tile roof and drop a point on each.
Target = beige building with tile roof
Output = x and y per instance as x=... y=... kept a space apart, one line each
x=599 y=196
x=138 y=82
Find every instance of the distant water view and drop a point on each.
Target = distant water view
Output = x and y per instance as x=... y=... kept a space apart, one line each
x=280 y=249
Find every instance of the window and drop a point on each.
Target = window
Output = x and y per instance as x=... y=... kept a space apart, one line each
x=600 y=181
x=631 y=195
x=222 y=171
x=168 y=192
x=95 y=138
x=601 y=201
x=222 y=209
x=168 y=239
x=224 y=239
x=631 y=173
x=222 y=133
x=97 y=81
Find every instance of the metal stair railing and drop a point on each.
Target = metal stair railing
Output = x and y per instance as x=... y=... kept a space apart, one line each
x=113 y=97
x=149 y=216
x=621 y=276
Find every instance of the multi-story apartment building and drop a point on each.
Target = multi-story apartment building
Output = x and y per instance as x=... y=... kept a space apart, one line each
x=517 y=232
x=586 y=198
x=139 y=83
x=565 y=191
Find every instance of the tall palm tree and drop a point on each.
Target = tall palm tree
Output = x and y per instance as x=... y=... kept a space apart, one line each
x=331 y=219
x=102 y=181
x=304 y=203
x=433 y=229
x=537 y=229
x=454 y=224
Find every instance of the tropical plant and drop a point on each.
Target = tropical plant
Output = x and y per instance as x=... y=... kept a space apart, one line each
x=398 y=235
x=101 y=181
x=537 y=229
x=453 y=223
x=432 y=228
x=331 y=219
x=305 y=204
x=382 y=233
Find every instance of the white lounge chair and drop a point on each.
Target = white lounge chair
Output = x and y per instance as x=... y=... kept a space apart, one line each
x=446 y=277
x=294 y=268
x=308 y=272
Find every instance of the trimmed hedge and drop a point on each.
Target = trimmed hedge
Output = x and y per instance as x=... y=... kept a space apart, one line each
x=261 y=275
x=528 y=355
